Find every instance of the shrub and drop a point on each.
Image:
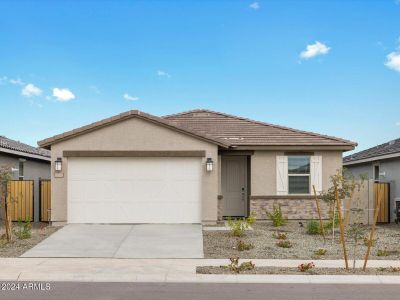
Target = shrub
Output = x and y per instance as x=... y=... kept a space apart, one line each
x=276 y=216
x=251 y=219
x=383 y=252
x=243 y=246
x=313 y=227
x=284 y=244
x=329 y=224
x=236 y=268
x=238 y=226
x=320 y=252
x=306 y=267
x=24 y=229
x=279 y=235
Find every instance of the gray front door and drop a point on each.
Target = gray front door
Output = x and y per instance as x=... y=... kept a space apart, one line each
x=234 y=185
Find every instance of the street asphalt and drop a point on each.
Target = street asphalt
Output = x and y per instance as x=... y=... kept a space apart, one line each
x=197 y=291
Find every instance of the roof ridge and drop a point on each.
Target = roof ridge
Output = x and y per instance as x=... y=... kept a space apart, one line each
x=121 y=116
x=263 y=123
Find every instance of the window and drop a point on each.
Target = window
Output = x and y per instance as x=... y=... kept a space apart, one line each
x=376 y=173
x=21 y=169
x=299 y=174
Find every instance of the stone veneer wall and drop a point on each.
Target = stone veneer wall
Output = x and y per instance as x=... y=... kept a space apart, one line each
x=292 y=208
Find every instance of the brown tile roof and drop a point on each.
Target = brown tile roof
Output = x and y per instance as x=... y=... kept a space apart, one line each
x=389 y=148
x=241 y=131
x=127 y=115
x=221 y=129
x=9 y=144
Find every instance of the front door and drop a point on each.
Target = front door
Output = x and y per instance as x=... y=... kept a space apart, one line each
x=234 y=185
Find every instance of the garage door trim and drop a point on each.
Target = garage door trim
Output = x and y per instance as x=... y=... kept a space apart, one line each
x=117 y=153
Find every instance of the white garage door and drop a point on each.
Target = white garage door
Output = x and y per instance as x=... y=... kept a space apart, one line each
x=134 y=190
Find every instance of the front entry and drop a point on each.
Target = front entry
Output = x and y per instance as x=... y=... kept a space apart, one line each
x=234 y=185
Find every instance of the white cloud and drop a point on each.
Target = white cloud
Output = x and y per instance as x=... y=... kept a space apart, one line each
x=255 y=6
x=163 y=74
x=393 y=61
x=63 y=95
x=128 y=97
x=16 y=81
x=314 y=50
x=30 y=90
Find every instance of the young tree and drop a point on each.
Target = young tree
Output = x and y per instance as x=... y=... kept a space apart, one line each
x=343 y=187
x=5 y=177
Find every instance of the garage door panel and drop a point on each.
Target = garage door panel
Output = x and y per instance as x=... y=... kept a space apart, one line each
x=134 y=190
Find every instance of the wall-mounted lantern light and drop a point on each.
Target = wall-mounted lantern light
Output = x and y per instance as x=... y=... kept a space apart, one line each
x=209 y=164
x=58 y=164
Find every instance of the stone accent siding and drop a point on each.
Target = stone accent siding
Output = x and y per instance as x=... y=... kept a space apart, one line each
x=292 y=209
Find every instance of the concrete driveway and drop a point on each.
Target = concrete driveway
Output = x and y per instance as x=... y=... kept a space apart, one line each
x=123 y=241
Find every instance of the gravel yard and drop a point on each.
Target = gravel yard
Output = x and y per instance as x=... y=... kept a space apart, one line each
x=294 y=271
x=40 y=231
x=220 y=244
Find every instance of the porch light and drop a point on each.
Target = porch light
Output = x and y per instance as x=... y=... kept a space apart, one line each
x=58 y=164
x=209 y=164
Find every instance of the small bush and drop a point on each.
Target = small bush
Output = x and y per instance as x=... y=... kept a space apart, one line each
x=236 y=268
x=383 y=252
x=306 y=267
x=329 y=224
x=251 y=219
x=279 y=235
x=313 y=227
x=320 y=252
x=238 y=226
x=243 y=246
x=24 y=229
x=284 y=244
x=276 y=216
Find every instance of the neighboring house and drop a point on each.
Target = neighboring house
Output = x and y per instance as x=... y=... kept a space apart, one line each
x=29 y=163
x=382 y=164
x=191 y=167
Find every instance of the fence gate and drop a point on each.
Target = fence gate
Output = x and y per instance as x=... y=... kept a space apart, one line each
x=45 y=200
x=20 y=200
x=381 y=192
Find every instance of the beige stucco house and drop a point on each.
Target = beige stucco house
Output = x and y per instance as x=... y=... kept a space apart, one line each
x=192 y=167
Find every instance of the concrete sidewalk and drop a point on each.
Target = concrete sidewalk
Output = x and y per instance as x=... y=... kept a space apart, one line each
x=170 y=270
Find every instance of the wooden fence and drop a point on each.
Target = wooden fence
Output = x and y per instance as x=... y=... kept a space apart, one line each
x=45 y=200
x=20 y=200
x=381 y=194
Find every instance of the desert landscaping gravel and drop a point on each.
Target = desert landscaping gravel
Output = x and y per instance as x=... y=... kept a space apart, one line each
x=220 y=244
x=294 y=271
x=17 y=247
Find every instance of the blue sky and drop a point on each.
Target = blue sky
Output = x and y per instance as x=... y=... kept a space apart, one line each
x=64 y=64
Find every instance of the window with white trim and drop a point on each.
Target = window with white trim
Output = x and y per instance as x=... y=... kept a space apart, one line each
x=299 y=174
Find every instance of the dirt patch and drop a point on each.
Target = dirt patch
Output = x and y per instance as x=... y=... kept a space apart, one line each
x=17 y=247
x=220 y=244
x=294 y=271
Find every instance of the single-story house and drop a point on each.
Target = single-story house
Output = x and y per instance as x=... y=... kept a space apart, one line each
x=191 y=167
x=382 y=164
x=29 y=163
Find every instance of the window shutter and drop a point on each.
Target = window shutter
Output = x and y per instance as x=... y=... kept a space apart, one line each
x=316 y=172
x=281 y=175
